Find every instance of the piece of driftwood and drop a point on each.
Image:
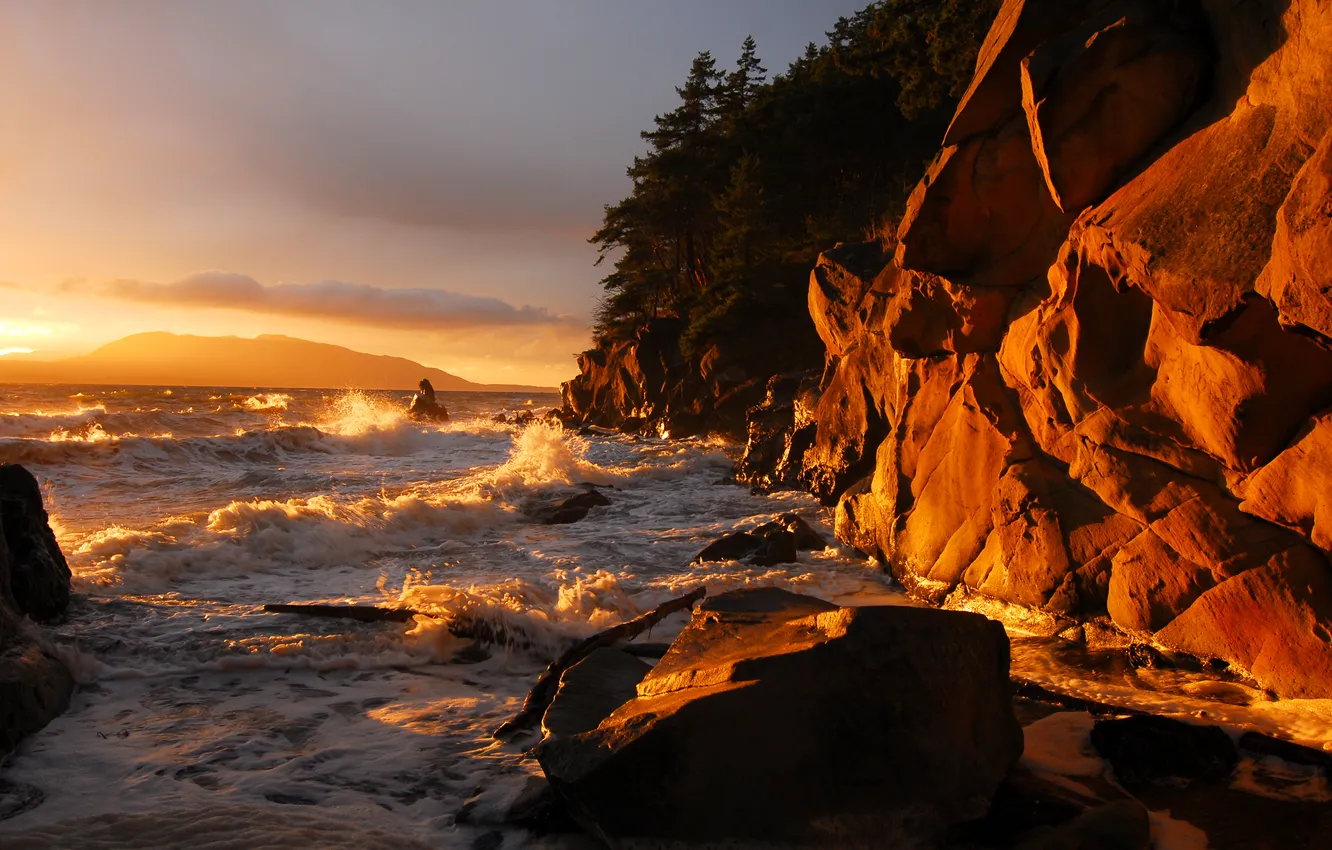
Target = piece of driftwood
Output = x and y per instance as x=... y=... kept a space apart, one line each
x=539 y=698
x=360 y=613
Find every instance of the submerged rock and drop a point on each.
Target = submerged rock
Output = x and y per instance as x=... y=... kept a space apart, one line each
x=572 y=509
x=1146 y=750
x=776 y=542
x=780 y=717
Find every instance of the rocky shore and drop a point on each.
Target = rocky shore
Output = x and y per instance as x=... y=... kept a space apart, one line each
x=780 y=720
x=1089 y=380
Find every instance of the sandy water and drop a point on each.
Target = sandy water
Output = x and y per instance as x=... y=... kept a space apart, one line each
x=201 y=720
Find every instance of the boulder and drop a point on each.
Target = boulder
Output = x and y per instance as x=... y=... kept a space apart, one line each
x=1146 y=750
x=35 y=686
x=39 y=576
x=775 y=542
x=571 y=509
x=777 y=717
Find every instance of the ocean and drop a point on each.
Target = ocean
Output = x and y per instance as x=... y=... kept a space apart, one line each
x=202 y=720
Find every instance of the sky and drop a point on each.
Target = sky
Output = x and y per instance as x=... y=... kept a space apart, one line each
x=408 y=178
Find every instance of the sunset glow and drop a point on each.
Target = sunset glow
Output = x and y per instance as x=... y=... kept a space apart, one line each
x=376 y=178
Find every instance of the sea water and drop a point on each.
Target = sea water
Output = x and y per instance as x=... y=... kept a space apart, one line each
x=203 y=721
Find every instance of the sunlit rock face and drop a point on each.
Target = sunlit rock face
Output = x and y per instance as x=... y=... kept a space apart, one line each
x=34 y=582
x=1095 y=380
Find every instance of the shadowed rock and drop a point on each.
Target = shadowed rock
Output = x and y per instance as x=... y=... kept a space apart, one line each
x=780 y=717
x=572 y=509
x=34 y=580
x=1146 y=750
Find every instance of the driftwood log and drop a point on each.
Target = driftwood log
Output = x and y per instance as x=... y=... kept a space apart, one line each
x=539 y=698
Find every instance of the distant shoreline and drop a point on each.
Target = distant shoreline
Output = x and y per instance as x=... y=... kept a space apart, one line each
x=496 y=389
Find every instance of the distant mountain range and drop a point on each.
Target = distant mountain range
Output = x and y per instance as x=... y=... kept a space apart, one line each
x=269 y=360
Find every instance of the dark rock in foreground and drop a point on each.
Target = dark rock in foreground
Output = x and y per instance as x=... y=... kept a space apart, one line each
x=34 y=581
x=779 y=717
x=39 y=575
x=1145 y=750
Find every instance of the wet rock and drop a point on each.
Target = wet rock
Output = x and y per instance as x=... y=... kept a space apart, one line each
x=572 y=509
x=806 y=538
x=776 y=546
x=1144 y=655
x=591 y=689
x=34 y=580
x=39 y=576
x=644 y=383
x=1145 y=750
x=775 y=542
x=766 y=722
x=1119 y=825
x=729 y=547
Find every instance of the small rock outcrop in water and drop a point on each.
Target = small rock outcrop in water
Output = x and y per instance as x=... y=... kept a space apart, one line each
x=781 y=717
x=775 y=542
x=424 y=406
x=571 y=509
x=34 y=581
x=646 y=384
x=1095 y=378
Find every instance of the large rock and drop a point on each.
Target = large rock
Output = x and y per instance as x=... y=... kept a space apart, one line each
x=34 y=580
x=1096 y=379
x=39 y=576
x=777 y=717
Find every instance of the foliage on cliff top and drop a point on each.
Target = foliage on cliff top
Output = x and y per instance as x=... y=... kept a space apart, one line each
x=748 y=179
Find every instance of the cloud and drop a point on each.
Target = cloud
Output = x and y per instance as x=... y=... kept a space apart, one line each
x=360 y=304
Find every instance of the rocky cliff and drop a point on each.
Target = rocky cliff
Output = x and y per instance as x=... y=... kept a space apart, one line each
x=1094 y=381
x=646 y=384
